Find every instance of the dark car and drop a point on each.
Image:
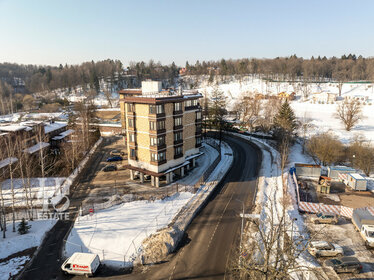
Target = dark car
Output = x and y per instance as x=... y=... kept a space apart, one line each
x=115 y=158
x=109 y=168
x=345 y=264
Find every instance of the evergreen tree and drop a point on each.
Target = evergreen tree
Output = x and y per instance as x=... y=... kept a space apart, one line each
x=23 y=227
x=285 y=122
x=217 y=106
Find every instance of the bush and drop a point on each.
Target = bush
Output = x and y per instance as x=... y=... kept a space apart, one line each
x=23 y=227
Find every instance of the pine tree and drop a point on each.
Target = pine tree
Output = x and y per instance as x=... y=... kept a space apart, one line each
x=285 y=121
x=217 y=107
x=23 y=227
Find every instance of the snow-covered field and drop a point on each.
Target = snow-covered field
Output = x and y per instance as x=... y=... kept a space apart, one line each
x=321 y=116
x=14 y=243
x=115 y=233
x=41 y=190
x=235 y=87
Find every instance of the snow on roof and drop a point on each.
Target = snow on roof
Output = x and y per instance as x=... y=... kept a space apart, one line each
x=8 y=161
x=357 y=176
x=36 y=147
x=63 y=134
x=54 y=126
x=10 y=128
x=319 y=244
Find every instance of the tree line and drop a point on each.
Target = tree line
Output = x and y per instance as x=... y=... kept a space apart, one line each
x=348 y=67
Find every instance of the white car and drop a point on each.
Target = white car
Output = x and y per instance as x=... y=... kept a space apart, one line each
x=325 y=249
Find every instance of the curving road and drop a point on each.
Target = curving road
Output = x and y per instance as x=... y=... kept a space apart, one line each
x=211 y=239
x=214 y=234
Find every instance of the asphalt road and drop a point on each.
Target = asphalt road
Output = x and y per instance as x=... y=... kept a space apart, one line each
x=214 y=235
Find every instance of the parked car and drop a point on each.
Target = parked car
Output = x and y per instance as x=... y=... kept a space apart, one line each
x=109 y=168
x=115 y=158
x=116 y=153
x=325 y=218
x=345 y=264
x=85 y=264
x=325 y=249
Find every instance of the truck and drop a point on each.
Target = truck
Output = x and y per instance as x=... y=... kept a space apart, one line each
x=363 y=220
x=86 y=264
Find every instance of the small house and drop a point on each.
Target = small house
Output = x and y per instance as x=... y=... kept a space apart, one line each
x=334 y=171
x=308 y=170
x=357 y=182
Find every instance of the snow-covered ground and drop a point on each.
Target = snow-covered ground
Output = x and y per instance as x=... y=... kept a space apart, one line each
x=322 y=118
x=112 y=232
x=15 y=242
x=12 y=267
x=41 y=190
x=235 y=87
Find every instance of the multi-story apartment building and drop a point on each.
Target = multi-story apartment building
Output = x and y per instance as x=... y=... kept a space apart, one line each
x=163 y=133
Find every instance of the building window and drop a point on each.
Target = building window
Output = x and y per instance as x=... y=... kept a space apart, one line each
x=132 y=138
x=156 y=125
x=178 y=136
x=178 y=151
x=198 y=115
x=156 y=109
x=198 y=140
x=178 y=107
x=158 y=141
x=188 y=103
x=131 y=123
x=178 y=121
x=132 y=153
x=157 y=157
x=130 y=107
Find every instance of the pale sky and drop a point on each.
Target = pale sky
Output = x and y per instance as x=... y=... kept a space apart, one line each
x=73 y=31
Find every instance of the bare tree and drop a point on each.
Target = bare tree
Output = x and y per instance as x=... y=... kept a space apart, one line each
x=325 y=148
x=273 y=249
x=11 y=152
x=350 y=113
x=362 y=156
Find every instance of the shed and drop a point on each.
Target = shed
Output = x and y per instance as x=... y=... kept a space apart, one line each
x=334 y=171
x=308 y=170
x=357 y=182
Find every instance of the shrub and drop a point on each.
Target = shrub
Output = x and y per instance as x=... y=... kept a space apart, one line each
x=23 y=227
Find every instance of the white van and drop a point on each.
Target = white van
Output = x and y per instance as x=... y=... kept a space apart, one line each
x=81 y=264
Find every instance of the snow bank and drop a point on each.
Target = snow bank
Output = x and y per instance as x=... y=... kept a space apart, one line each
x=15 y=242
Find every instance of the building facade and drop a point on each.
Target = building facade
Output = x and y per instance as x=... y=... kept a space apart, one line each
x=163 y=134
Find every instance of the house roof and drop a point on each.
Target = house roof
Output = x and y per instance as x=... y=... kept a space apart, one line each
x=8 y=161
